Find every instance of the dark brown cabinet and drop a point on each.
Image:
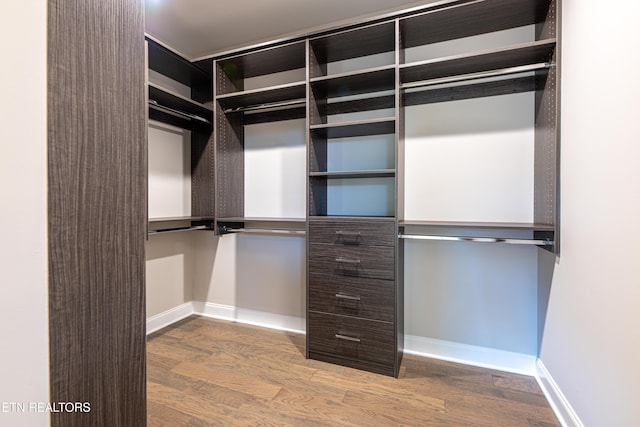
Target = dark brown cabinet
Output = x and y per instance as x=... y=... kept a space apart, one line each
x=352 y=293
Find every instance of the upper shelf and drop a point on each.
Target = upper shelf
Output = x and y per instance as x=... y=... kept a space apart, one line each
x=172 y=65
x=354 y=43
x=231 y=72
x=430 y=71
x=171 y=103
x=376 y=79
x=382 y=126
x=470 y=18
x=373 y=173
x=270 y=97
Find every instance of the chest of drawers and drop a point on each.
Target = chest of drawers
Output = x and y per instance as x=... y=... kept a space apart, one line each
x=352 y=294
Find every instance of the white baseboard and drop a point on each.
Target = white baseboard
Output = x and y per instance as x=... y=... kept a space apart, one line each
x=166 y=318
x=470 y=355
x=251 y=317
x=555 y=397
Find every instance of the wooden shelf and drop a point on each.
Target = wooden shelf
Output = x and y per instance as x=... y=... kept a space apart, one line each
x=180 y=218
x=382 y=126
x=364 y=41
x=373 y=173
x=266 y=61
x=172 y=65
x=171 y=103
x=376 y=79
x=427 y=72
x=350 y=218
x=468 y=19
x=479 y=225
x=268 y=97
x=259 y=219
x=176 y=224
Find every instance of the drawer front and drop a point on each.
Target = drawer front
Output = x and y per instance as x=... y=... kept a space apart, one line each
x=357 y=339
x=352 y=296
x=376 y=262
x=353 y=233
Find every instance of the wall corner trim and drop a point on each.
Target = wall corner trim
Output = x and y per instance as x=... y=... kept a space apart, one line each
x=559 y=403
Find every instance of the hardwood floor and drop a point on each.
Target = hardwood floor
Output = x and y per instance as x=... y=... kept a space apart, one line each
x=204 y=372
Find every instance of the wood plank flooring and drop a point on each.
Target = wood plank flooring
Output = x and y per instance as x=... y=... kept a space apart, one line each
x=205 y=372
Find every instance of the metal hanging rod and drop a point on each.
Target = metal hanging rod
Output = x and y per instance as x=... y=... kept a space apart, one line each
x=479 y=75
x=175 y=230
x=154 y=104
x=478 y=239
x=263 y=230
x=266 y=106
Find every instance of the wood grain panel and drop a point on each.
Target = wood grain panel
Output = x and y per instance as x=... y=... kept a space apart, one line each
x=97 y=210
x=353 y=233
x=377 y=262
x=352 y=296
x=229 y=169
x=202 y=172
x=372 y=341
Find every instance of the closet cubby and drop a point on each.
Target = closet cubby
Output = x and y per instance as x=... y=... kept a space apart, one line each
x=253 y=88
x=468 y=55
x=352 y=78
x=193 y=112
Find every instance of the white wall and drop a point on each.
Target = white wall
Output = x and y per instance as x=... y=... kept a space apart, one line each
x=170 y=271
x=261 y=278
x=591 y=344
x=24 y=358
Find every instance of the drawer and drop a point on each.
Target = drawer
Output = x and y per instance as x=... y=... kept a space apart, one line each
x=377 y=262
x=352 y=296
x=353 y=233
x=357 y=339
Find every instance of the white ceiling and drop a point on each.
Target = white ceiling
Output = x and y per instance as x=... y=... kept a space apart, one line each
x=198 y=28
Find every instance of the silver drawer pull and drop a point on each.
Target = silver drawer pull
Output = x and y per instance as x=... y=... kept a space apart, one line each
x=348 y=233
x=347 y=338
x=349 y=297
x=348 y=261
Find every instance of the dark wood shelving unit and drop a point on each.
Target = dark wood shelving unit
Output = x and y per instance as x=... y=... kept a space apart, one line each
x=192 y=113
x=236 y=107
x=351 y=252
x=534 y=53
x=363 y=247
